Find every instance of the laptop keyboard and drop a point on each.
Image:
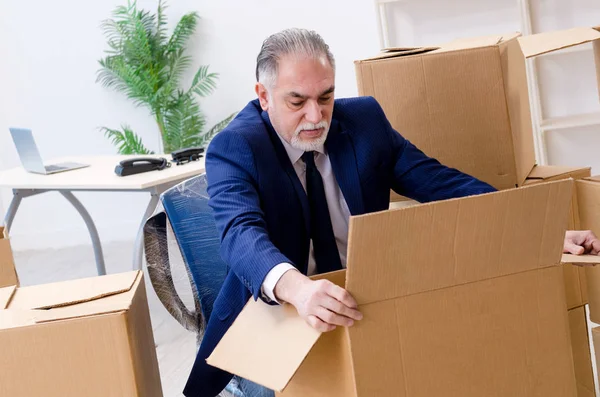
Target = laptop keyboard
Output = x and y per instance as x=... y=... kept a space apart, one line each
x=52 y=168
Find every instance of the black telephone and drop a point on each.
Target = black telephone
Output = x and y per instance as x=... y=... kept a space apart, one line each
x=141 y=164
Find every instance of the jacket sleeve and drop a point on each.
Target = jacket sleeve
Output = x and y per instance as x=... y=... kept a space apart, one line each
x=422 y=178
x=232 y=186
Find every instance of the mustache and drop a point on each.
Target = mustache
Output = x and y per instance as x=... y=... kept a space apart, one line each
x=310 y=126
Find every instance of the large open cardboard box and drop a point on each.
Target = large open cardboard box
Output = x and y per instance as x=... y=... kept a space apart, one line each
x=466 y=103
x=462 y=297
x=8 y=275
x=88 y=337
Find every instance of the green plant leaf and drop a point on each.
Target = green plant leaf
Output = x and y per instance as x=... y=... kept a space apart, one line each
x=220 y=126
x=183 y=31
x=146 y=65
x=127 y=141
x=204 y=83
x=184 y=123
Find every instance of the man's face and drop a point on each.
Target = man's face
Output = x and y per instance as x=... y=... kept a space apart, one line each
x=300 y=104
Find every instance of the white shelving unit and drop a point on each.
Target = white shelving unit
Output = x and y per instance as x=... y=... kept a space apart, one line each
x=542 y=125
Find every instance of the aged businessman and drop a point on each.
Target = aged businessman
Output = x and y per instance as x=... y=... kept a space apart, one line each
x=284 y=178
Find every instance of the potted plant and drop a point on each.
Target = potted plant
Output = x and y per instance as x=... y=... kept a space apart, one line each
x=146 y=64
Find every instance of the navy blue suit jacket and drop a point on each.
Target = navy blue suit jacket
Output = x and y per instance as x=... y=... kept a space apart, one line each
x=261 y=209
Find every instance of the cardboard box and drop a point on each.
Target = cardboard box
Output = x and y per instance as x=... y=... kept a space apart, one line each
x=588 y=197
x=466 y=103
x=582 y=359
x=88 y=337
x=596 y=338
x=8 y=275
x=575 y=280
x=471 y=305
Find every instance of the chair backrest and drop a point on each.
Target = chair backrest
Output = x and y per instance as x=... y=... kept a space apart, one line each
x=185 y=208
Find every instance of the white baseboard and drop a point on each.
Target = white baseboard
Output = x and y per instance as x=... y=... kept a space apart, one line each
x=61 y=238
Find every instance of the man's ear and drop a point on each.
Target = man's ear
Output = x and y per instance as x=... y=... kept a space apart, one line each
x=263 y=96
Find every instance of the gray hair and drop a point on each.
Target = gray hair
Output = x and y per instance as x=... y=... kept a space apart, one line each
x=290 y=41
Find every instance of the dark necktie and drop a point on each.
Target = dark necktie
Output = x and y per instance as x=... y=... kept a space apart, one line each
x=327 y=256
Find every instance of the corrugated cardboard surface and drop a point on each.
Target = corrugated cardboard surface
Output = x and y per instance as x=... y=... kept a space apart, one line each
x=517 y=102
x=76 y=350
x=472 y=305
x=327 y=369
x=451 y=105
x=588 y=196
x=467 y=103
x=496 y=260
x=596 y=338
x=8 y=275
x=575 y=278
x=582 y=359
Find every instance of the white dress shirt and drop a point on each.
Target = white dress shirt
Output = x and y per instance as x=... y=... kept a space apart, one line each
x=338 y=213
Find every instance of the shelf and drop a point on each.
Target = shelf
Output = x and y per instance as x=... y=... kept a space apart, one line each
x=579 y=120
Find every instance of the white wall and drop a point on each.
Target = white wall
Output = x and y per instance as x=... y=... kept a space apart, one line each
x=567 y=81
x=47 y=79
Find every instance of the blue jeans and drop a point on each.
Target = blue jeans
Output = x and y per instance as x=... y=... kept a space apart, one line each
x=241 y=387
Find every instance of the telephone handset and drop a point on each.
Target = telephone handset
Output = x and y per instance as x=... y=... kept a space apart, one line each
x=141 y=164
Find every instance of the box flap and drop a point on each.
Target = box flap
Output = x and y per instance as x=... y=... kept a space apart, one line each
x=476 y=238
x=550 y=171
x=66 y=293
x=595 y=178
x=542 y=43
x=477 y=42
x=16 y=318
x=394 y=52
x=266 y=344
x=6 y=294
x=589 y=259
x=257 y=345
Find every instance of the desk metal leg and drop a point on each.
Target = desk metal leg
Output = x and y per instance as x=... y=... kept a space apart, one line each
x=138 y=249
x=92 y=229
x=12 y=209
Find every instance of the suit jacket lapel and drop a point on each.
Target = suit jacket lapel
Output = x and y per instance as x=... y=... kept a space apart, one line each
x=343 y=162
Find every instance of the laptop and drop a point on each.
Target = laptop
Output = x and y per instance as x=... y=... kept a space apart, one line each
x=30 y=155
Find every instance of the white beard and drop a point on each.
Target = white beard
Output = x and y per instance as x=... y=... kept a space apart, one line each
x=313 y=144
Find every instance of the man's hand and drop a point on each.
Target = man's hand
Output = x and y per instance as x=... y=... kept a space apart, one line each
x=578 y=242
x=322 y=304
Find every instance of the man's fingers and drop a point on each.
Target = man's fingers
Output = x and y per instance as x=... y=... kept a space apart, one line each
x=332 y=318
x=338 y=307
x=341 y=295
x=572 y=248
x=318 y=324
x=595 y=247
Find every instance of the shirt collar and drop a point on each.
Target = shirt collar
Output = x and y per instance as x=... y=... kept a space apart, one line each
x=294 y=153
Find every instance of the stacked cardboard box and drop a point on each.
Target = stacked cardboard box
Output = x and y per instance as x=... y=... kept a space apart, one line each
x=87 y=337
x=472 y=305
x=466 y=103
